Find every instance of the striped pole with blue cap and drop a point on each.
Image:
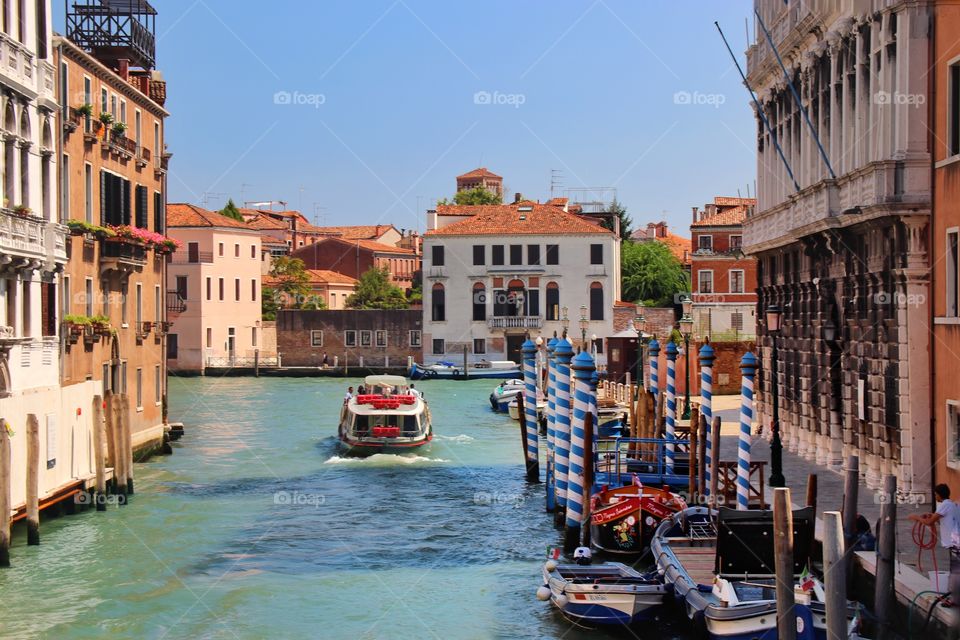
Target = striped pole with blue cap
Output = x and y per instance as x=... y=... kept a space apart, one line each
x=563 y=352
x=748 y=366
x=654 y=350
x=707 y=357
x=529 y=351
x=551 y=426
x=670 y=448
x=577 y=490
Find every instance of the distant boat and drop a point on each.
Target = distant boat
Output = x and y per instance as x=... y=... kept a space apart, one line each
x=388 y=418
x=505 y=392
x=449 y=370
x=609 y=593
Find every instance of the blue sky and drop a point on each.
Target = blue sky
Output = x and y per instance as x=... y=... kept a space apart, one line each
x=383 y=109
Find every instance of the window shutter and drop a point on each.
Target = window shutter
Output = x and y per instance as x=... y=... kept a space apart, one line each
x=103 y=198
x=125 y=188
x=158 y=217
x=141 y=205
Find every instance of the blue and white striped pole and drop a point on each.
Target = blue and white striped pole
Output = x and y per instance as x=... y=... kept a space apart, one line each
x=563 y=353
x=654 y=348
x=529 y=351
x=670 y=448
x=707 y=357
x=578 y=491
x=748 y=366
x=551 y=422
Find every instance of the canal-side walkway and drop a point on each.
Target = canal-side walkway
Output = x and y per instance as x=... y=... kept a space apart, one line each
x=912 y=578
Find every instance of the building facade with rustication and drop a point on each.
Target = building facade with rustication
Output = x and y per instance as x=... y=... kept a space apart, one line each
x=845 y=255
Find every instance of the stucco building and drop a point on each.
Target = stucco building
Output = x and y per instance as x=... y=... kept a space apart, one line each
x=355 y=257
x=216 y=274
x=494 y=273
x=723 y=280
x=844 y=251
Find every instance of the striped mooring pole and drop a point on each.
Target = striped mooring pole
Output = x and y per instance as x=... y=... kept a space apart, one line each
x=529 y=351
x=551 y=422
x=583 y=368
x=748 y=367
x=707 y=357
x=654 y=350
x=563 y=352
x=670 y=448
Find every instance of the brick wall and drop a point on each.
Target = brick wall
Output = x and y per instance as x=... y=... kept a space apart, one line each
x=294 y=329
x=334 y=255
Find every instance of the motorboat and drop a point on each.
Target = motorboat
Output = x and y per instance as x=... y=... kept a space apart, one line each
x=513 y=407
x=389 y=417
x=506 y=391
x=623 y=519
x=607 y=593
x=449 y=370
x=721 y=567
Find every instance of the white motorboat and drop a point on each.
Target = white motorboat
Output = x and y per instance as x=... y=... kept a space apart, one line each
x=388 y=418
x=449 y=370
x=506 y=391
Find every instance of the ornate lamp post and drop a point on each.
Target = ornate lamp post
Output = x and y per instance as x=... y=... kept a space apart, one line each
x=564 y=321
x=686 y=330
x=774 y=317
x=640 y=325
x=593 y=346
x=584 y=323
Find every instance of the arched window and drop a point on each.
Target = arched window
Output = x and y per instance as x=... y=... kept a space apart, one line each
x=596 y=301
x=438 y=303
x=516 y=298
x=553 y=301
x=479 y=302
x=24 y=158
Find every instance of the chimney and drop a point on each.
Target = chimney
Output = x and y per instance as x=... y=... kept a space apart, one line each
x=662 y=229
x=123 y=69
x=694 y=213
x=517 y=197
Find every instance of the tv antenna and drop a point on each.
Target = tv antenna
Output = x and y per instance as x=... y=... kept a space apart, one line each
x=556 y=181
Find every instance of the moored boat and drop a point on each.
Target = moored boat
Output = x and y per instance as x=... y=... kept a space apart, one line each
x=504 y=393
x=448 y=370
x=623 y=519
x=388 y=418
x=609 y=593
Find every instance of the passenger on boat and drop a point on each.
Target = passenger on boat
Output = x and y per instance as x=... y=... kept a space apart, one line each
x=349 y=395
x=415 y=392
x=361 y=390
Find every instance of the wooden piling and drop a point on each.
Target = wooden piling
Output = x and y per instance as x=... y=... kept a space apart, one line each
x=111 y=437
x=884 y=598
x=783 y=561
x=532 y=466
x=812 y=492
x=4 y=494
x=127 y=441
x=100 y=488
x=851 y=483
x=834 y=575
x=256 y=363
x=692 y=456
x=466 y=371
x=715 y=461
x=33 y=479
x=702 y=456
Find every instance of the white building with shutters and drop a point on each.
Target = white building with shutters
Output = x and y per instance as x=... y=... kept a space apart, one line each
x=495 y=274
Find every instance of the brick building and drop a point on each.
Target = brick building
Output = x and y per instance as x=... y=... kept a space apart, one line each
x=723 y=280
x=358 y=337
x=354 y=257
x=481 y=178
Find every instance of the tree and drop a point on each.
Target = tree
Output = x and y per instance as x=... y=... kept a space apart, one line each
x=291 y=289
x=651 y=273
x=231 y=211
x=626 y=222
x=477 y=195
x=374 y=291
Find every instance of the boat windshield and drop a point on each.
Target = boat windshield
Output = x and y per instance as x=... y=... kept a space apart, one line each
x=407 y=425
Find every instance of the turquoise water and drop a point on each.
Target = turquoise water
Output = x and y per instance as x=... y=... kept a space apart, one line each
x=257 y=528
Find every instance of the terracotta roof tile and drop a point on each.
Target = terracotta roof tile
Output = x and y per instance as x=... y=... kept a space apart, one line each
x=266 y=223
x=372 y=245
x=357 y=232
x=181 y=214
x=522 y=218
x=482 y=172
x=730 y=217
x=318 y=276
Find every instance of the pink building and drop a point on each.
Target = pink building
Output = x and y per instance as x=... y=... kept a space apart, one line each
x=214 y=290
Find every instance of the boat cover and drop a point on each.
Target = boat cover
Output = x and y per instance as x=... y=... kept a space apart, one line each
x=745 y=542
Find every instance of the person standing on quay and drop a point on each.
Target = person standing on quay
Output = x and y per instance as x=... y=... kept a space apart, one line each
x=948 y=515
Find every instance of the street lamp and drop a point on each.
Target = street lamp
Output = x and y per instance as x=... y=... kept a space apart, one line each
x=774 y=317
x=686 y=330
x=564 y=321
x=584 y=323
x=640 y=325
x=593 y=346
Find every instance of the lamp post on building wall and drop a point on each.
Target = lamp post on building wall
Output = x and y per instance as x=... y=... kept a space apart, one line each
x=774 y=317
x=640 y=325
x=584 y=323
x=686 y=330
x=564 y=321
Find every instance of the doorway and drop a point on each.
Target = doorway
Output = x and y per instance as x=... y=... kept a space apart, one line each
x=514 y=346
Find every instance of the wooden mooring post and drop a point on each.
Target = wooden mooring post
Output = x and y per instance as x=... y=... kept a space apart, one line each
x=4 y=494
x=834 y=575
x=127 y=441
x=100 y=488
x=715 y=463
x=812 y=492
x=33 y=479
x=884 y=597
x=783 y=562
x=851 y=482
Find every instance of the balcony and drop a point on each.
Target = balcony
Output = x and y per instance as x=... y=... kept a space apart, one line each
x=198 y=257
x=176 y=303
x=120 y=145
x=121 y=258
x=514 y=322
x=30 y=238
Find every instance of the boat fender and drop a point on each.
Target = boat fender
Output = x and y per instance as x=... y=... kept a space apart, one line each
x=543 y=593
x=457 y=373
x=550 y=565
x=562 y=600
x=583 y=555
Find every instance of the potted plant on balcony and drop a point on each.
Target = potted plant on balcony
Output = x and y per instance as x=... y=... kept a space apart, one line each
x=23 y=210
x=106 y=119
x=85 y=110
x=75 y=325
x=166 y=246
x=118 y=129
x=101 y=325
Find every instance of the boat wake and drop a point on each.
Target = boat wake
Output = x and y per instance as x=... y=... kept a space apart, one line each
x=383 y=459
x=460 y=438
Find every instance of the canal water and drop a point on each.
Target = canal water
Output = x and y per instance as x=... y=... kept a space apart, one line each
x=257 y=528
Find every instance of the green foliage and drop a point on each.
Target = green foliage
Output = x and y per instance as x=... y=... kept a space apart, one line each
x=415 y=295
x=106 y=118
x=231 y=211
x=269 y=303
x=626 y=222
x=374 y=291
x=80 y=320
x=86 y=109
x=651 y=273
x=477 y=195
x=291 y=291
